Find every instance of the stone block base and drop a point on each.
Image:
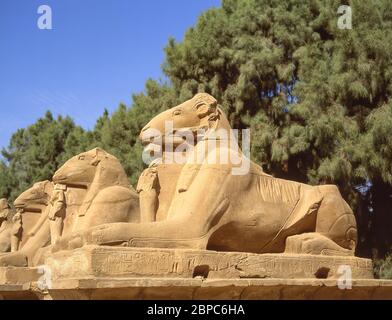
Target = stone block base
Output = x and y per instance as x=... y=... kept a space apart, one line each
x=18 y=275
x=201 y=289
x=94 y=272
x=218 y=289
x=120 y=262
x=18 y=283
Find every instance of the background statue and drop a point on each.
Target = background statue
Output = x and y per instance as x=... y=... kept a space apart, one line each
x=108 y=197
x=156 y=185
x=5 y=226
x=91 y=189
x=148 y=189
x=16 y=230
x=57 y=212
x=213 y=209
x=33 y=206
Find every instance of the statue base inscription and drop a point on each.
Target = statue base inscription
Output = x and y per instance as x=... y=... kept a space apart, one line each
x=97 y=272
x=116 y=262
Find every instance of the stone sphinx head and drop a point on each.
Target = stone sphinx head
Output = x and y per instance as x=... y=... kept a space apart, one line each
x=200 y=112
x=35 y=198
x=174 y=133
x=92 y=166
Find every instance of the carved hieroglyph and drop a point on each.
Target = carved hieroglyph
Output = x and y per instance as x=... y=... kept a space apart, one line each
x=119 y=262
x=212 y=208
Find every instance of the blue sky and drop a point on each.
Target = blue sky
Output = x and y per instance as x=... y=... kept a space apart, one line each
x=97 y=55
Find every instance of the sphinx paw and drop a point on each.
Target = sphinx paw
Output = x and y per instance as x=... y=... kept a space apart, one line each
x=60 y=244
x=14 y=259
x=67 y=243
x=76 y=242
x=316 y=244
x=97 y=235
x=108 y=234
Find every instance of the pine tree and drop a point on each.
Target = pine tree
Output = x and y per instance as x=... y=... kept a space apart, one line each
x=35 y=153
x=118 y=133
x=316 y=98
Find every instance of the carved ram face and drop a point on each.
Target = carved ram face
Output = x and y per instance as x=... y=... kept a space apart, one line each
x=81 y=169
x=34 y=198
x=191 y=115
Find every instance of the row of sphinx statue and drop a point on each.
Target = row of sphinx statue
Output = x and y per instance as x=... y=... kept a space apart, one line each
x=195 y=204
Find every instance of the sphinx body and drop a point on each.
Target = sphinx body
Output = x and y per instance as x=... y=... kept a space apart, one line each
x=212 y=208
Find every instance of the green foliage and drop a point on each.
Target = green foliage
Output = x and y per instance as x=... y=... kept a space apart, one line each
x=119 y=133
x=383 y=268
x=5 y=181
x=36 y=152
x=316 y=98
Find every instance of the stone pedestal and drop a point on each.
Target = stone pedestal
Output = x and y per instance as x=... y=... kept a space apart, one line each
x=94 y=272
x=217 y=289
x=120 y=262
x=18 y=275
x=18 y=283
